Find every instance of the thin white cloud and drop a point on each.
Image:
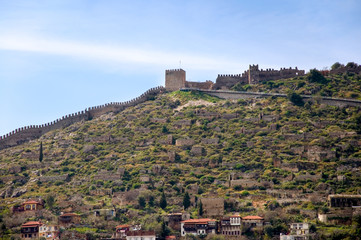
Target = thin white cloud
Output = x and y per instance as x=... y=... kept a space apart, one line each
x=111 y=54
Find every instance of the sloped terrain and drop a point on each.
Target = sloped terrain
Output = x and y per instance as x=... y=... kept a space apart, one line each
x=260 y=155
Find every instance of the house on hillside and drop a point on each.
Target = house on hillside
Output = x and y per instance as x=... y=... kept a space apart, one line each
x=69 y=218
x=199 y=227
x=173 y=220
x=144 y=235
x=30 y=230
x=298 y=231
x=231 y=226
x=252 y=223
x=121 y=231
x=49 y=232
x=30 y=205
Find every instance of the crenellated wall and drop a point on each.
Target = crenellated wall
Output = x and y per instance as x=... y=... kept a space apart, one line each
x=226 y=81
x=176 y=79
x=25 y=134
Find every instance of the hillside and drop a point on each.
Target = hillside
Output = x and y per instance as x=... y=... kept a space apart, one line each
x=265 y=157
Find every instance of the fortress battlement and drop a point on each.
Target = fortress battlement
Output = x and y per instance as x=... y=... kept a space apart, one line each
x=176 y=79
x=27 y=133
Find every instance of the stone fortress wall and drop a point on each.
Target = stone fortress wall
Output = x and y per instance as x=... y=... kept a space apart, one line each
x=25 y=134
x=176 y=79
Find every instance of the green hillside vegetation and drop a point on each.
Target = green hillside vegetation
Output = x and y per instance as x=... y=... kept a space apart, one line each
x=266 y=140
x=346 y=85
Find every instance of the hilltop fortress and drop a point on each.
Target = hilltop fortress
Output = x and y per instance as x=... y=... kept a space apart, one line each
x=176 y=79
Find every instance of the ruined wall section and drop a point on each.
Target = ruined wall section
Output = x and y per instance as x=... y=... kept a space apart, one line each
x=207 y=85
x=28 y=133
x=226 y=81
x=256 y=76
x=175 y=79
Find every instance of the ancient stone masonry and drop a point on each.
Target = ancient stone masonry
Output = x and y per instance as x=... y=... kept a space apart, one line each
x=25 y=134
x=176 y=79
x=213 y=207
x=344 y=200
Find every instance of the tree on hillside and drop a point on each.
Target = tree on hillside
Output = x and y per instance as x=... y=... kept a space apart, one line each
x=163 y=201
x=295 y=98
x=200 y=209
x=50 y=201
x=315 y=76
x=164 y=231
x=336 y=65
x=41 y=152
x=186 y=201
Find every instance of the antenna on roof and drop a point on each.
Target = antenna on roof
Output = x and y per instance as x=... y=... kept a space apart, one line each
x=180 y=64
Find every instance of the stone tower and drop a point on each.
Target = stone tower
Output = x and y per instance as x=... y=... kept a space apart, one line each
x=253 y=74
x=175 y=79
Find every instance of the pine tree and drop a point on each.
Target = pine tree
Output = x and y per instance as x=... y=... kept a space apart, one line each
x=186 y=201
x=163 y=201
x=41 y=152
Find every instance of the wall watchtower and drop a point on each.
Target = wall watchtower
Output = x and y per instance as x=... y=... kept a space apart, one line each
x=175 y=79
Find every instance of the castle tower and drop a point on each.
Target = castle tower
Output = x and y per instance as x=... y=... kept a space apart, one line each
x=175 y=79
x=253 y=74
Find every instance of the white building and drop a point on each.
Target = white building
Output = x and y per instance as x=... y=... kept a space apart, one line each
x=141 y=235
x=49 y=232
x=298 y=231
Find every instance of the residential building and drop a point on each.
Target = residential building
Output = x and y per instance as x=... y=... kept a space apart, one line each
x=121 y=231
x=298 y=231
x=30 y=230
x=107 y=213
x=69 y=218
x=49 y=232
x=141 y=235
x=252 y=222
x=30 y=205
x=231 y=226
x=173 y=220
x=198 y=227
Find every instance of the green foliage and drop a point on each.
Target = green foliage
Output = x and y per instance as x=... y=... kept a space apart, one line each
x=141 y=202
x=295 y=98
x=50 y=201
x=163 y=201
x=336 y=65
x=41 y=155
x=186 y=201
x=200 y=209
x=315 y=76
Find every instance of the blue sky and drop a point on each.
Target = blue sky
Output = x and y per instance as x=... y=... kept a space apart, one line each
x=62 y=56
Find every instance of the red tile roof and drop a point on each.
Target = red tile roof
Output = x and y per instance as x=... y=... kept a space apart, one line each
x=31 y=224
x=122 y=226
x=199 y=221
x=252 y=218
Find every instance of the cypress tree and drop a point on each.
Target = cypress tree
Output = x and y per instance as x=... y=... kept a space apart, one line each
x=163 y=201
x=186 y=201
x=41 y=152
x=200 y=210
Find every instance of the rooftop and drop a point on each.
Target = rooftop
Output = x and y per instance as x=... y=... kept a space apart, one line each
x=252 y=218
x=199 y=221
x=31 y=224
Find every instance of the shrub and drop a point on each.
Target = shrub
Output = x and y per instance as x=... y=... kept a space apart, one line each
x=315 y=76
x=295 y=98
